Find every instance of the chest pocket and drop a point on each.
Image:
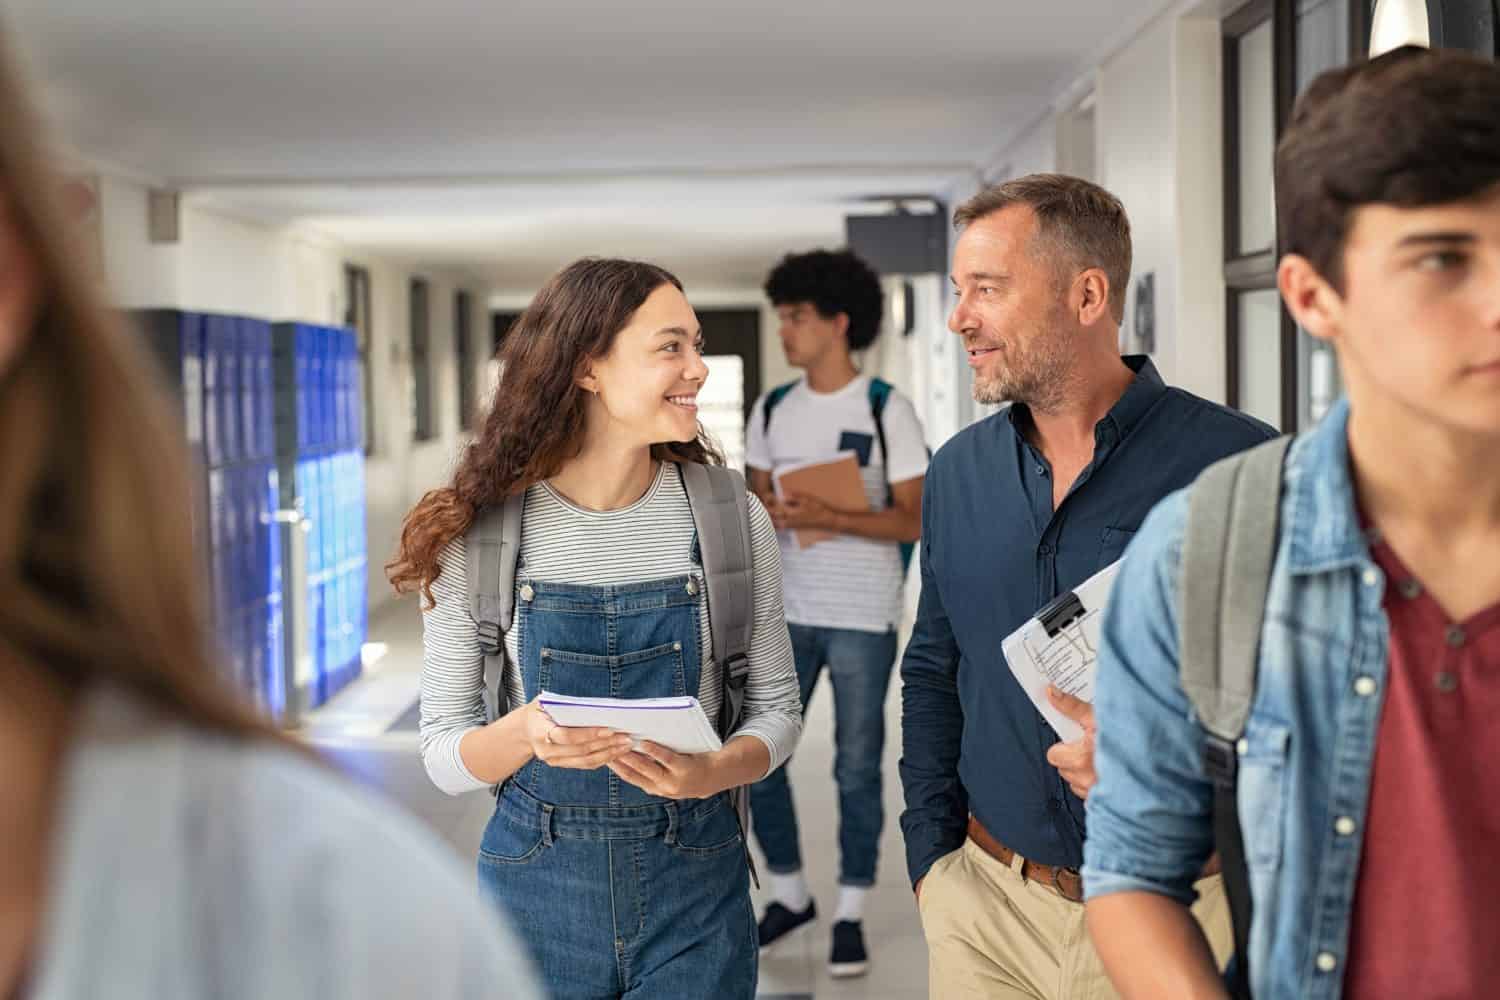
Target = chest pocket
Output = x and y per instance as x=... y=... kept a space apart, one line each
x=858 y=443
x=1112 y=544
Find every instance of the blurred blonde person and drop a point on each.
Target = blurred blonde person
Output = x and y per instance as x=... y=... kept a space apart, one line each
x=159 y=841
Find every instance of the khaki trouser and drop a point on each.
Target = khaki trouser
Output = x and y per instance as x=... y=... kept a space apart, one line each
x=992 y=934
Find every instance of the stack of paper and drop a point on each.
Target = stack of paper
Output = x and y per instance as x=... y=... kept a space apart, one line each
x=1060 y=647
x=834 y=481
x=679 y=724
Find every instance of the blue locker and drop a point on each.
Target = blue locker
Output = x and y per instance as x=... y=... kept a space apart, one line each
x=304 y=352
x=247 y=345
x=271 y=491
x=223 y=329
x=219 y=527
x=275 y=658
x=213 y=436
x=190 y=344
x=265 y=368
x=316 y=412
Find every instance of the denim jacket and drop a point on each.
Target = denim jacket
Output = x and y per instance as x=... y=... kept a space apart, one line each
x=1308 y=748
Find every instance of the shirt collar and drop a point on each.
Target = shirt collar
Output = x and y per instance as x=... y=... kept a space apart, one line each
x=1319 y=503
x=1144 y=391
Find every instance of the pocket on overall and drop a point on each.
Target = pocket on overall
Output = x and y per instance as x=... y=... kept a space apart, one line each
x=709 y=830
x=658 y=669
x=509 y=839
x=1263 y=791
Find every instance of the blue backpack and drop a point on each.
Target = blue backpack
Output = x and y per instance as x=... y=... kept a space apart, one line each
x=879 y=395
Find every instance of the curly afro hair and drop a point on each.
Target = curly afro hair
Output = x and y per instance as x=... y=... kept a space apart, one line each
x=834 y=281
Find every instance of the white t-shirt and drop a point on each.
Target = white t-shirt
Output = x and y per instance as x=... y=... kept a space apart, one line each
x=846 y=582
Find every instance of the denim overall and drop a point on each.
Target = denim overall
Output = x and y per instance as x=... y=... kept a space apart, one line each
x=618 y=893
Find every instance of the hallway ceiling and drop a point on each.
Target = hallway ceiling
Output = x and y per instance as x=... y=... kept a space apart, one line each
x=510 y=135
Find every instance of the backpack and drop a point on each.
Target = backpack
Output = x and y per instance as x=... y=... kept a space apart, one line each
x=1229 y=550
x=721 y=515
x=879 y=395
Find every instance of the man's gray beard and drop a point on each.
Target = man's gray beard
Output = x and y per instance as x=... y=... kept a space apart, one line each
x=1037 y=390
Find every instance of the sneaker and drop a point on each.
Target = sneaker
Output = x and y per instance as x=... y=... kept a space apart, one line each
x=848 y=958
x=780 y=921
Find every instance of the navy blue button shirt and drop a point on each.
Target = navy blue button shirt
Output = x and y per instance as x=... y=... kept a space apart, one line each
x=993 y=553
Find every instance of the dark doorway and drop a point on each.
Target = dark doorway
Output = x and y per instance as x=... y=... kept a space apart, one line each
x=735 y=331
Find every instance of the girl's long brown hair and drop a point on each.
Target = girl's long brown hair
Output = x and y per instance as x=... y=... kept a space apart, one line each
x=536 y=423
x=97 y=565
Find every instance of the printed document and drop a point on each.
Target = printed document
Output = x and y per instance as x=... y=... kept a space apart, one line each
x=1060 y=647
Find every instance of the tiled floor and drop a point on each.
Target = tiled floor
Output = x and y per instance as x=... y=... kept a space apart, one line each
x=355 y=728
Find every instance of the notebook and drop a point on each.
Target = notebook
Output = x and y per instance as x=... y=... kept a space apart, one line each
x=679 y=724
x=835 y=481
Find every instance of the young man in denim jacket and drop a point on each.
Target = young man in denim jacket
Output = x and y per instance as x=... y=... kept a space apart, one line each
x=1367 y=795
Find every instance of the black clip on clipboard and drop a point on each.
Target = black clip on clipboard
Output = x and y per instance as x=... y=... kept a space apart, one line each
x=1062 y=611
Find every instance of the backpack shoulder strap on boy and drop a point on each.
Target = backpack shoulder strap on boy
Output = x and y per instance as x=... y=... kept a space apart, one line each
x=773 y=400
x=1228 y=552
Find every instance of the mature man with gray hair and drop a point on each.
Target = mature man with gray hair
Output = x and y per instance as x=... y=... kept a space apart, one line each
x=1017 y=509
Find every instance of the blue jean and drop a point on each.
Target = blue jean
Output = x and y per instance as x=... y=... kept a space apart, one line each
x=618 y=893
x=649 y=902
x=859 y=665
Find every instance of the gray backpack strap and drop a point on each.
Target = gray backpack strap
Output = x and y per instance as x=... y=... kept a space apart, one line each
x=1228 y=552
x=493 y=546
x=721 y=513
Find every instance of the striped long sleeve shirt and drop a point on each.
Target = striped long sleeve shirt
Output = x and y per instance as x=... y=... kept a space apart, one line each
x=563 y=543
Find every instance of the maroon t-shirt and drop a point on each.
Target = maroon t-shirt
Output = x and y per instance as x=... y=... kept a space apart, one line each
x=1426 y=918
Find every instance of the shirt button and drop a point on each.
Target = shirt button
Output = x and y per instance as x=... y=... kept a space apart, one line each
x=1344 y=826
x=527 y=593
x=1372 y=578
x=1456 y=637
x=1447 y=682
x=1365 y=686
x=1041 y=470
x=1242 y=747
x=692 y=586
x=1411 y=589
x=1327 y=961
x=1045 y=550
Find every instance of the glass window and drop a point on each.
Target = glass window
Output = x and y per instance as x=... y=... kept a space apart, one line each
x=1258 y=325
x=1318 y=382
x=357 y=318
x=1322 y=38
x=1257 y=139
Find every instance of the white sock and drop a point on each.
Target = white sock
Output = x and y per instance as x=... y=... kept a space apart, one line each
x=790 y=890
x=852 y=903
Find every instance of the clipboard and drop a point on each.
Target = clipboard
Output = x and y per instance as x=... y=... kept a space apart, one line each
x=1060 y=646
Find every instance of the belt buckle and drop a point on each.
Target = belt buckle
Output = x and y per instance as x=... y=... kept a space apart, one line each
x=1073 y=892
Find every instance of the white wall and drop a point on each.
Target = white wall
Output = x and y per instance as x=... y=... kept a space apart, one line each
x=1157 y=131
x=230 y=265
x=1136 y=162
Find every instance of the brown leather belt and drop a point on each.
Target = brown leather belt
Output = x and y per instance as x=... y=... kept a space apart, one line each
x=1066 y=882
